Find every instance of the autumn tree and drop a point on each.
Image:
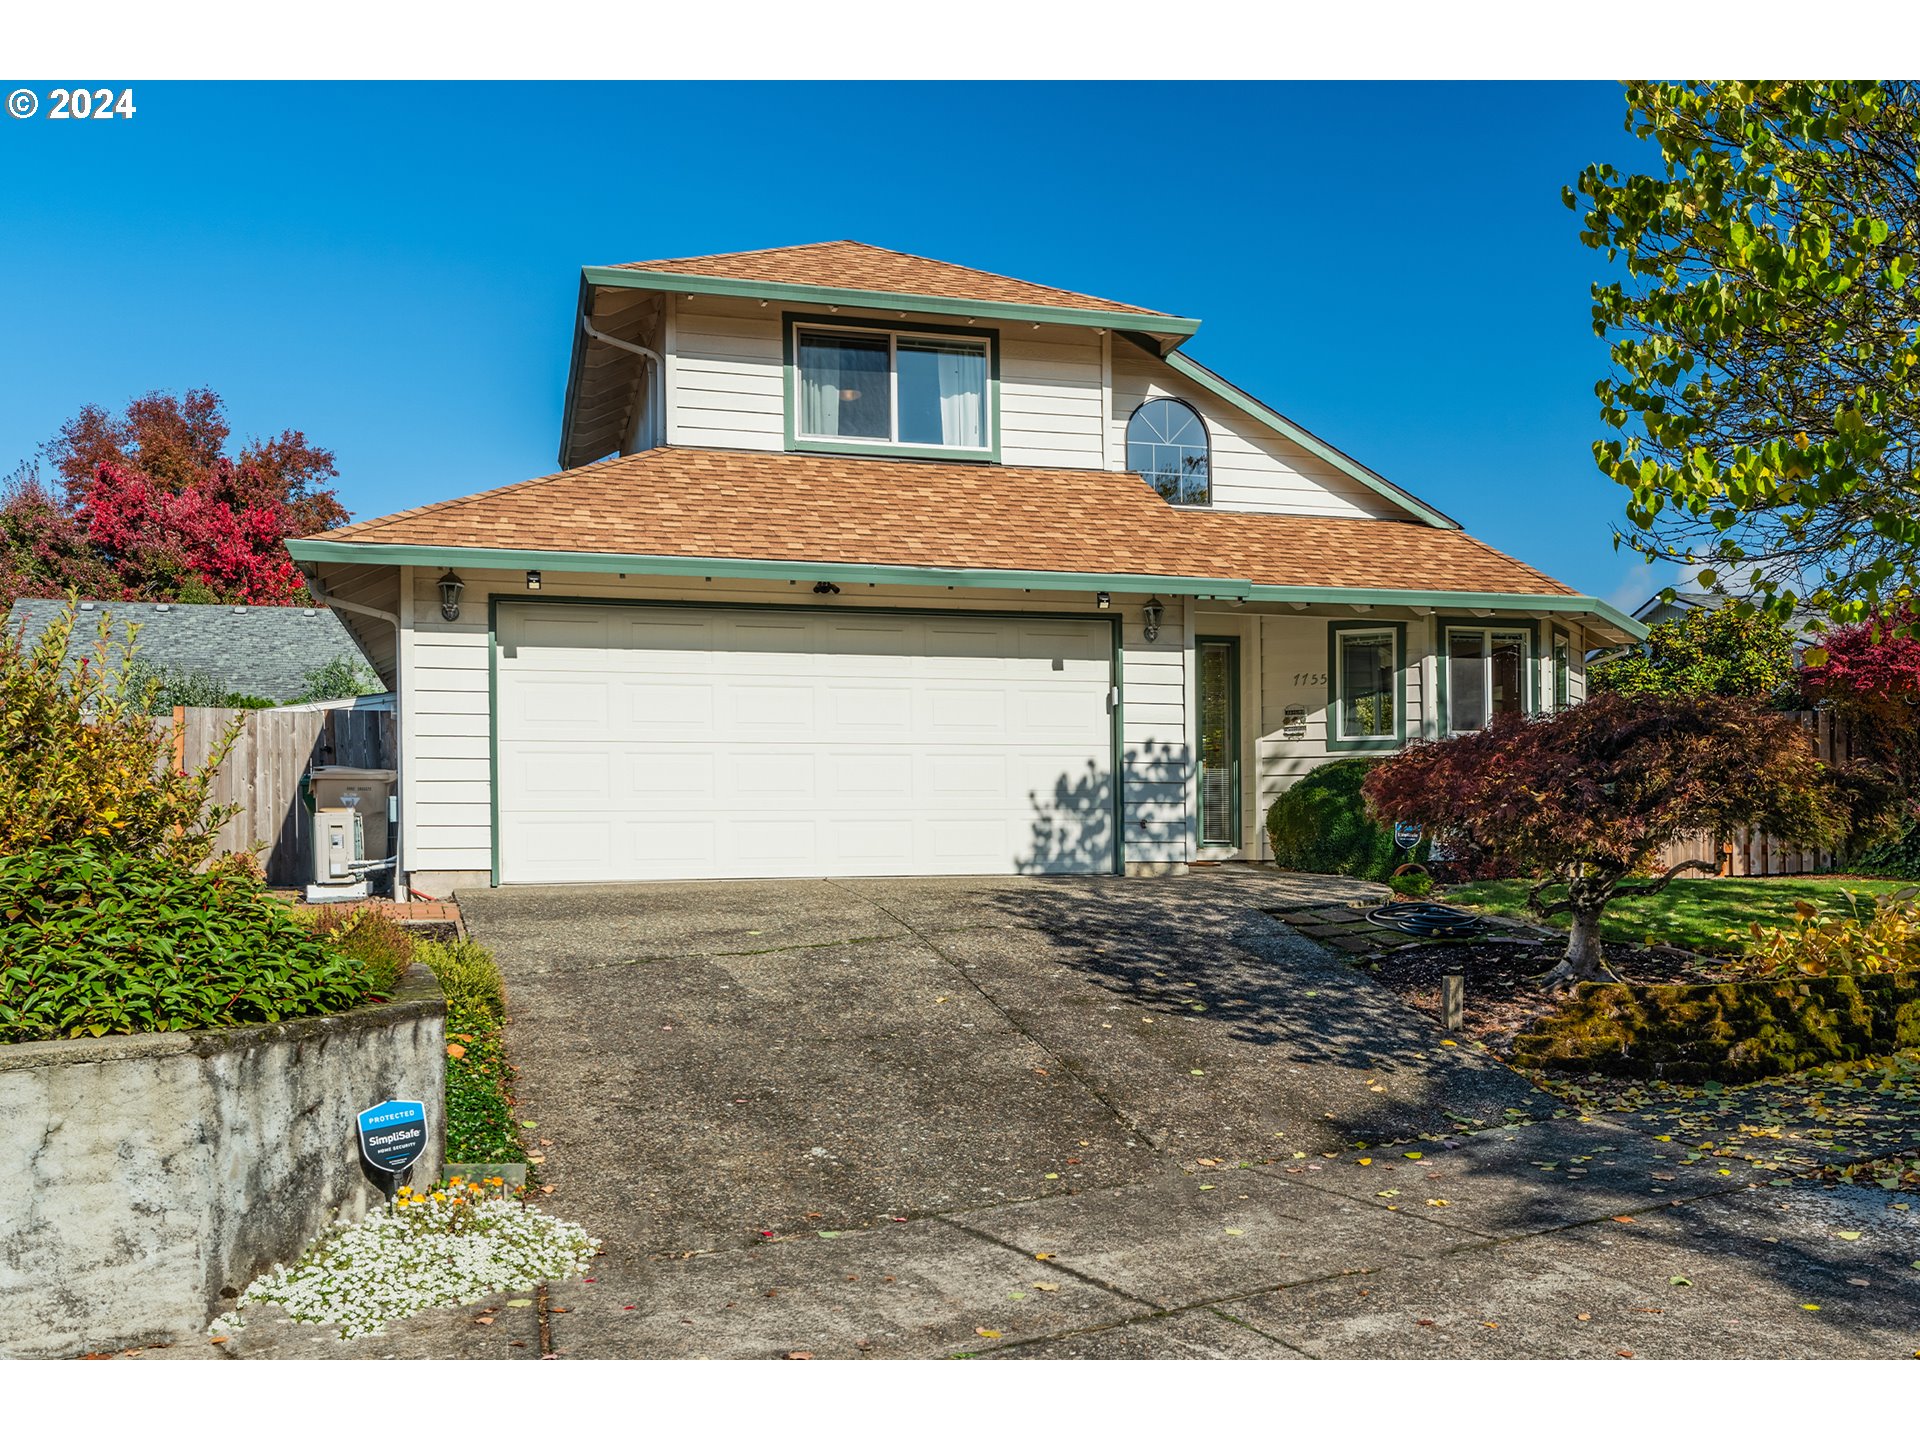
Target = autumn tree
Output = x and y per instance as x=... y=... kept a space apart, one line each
x=1765 y=336
x=1587 y=797
x=150 y=505
x=1723 y=650
x=1869 y=674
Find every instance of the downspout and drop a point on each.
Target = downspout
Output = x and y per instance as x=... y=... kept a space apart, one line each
x=315 y=584
x=656 y=408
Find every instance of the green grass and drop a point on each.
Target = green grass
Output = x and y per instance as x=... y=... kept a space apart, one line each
x=1709 y=916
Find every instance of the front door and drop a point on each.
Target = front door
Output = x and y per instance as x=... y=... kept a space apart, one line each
x=1219 y=696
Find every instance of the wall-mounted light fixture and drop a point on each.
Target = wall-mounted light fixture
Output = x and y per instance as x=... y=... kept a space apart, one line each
x=825 y=587
x=533 y=579
x=1151 y=614
x=450 y=587
x=1102 y=600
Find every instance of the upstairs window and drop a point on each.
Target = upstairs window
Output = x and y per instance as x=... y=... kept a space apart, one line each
x=1167 y=448
x=891 y=389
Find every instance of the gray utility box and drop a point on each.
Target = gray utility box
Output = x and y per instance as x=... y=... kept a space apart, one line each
x=368 y=793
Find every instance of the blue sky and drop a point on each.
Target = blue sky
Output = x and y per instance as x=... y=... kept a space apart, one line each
x=393 y=268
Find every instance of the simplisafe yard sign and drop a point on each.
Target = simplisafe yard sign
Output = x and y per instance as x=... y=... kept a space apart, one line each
x=393 y=1134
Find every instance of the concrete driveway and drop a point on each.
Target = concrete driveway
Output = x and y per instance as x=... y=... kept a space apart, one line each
x=1098 y=1118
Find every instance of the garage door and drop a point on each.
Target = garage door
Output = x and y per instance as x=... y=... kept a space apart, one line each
x=648 y=742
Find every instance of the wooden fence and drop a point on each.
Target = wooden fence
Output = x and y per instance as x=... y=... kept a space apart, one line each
x=261 y=775
x=1752 y=852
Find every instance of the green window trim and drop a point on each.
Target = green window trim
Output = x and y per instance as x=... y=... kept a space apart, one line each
x=791 y=322
x=1561 y=649
x=1396 y=741
x=1231 y=643
x=1531 y=664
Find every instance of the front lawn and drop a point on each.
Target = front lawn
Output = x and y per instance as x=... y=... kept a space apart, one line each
x=1709 y=916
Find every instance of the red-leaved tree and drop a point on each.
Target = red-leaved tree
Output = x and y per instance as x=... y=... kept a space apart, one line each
x=151 y=506
x=1585 y=798
x=1870 y=675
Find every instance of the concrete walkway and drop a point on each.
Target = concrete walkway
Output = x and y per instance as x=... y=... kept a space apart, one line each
x=1060 y=1118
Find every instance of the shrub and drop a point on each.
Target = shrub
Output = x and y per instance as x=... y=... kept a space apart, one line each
x=379 y=944
x=339 y=679
x=476 y=995
x=1413 y=883
x=97 y=941
x=1321 y=825
x=81 y=762
x=1895 y=859
x=1883 y=940
x=165 y=689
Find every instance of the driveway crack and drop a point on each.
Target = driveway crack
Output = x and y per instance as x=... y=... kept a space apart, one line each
x=1065 y=1064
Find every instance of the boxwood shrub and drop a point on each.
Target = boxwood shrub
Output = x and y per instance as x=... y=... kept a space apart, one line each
x=99 y=941
x=1321 y=825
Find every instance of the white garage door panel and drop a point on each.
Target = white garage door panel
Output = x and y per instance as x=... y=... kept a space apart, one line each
x=639 y=743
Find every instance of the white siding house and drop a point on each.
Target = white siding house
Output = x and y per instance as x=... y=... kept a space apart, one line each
x=953 y=632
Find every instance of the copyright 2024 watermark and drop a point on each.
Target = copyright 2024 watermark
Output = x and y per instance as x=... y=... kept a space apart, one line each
x=72 y=102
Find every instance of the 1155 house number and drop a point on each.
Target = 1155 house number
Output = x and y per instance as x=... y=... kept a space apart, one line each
x=90 y=105
x=1309 y=677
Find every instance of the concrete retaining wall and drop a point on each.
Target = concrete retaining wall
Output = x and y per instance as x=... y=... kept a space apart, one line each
x=146 y=1179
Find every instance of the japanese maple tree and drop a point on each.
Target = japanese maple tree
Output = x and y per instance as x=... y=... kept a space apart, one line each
x=1870 y=675
x=1587 y=797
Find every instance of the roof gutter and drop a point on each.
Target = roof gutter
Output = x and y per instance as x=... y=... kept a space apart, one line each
x=1175 y=327
x=1213 y=587
x=656 y=372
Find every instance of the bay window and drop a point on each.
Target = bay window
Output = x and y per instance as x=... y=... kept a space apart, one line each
x=892 y=391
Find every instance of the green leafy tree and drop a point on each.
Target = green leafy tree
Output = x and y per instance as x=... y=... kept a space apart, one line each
x=339 y=679
x=1724 y=651
x=1766 y=336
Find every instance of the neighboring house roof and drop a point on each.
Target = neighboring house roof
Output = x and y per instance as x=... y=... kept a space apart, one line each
x=262 y=650
x=852 y=265
x=832 y=510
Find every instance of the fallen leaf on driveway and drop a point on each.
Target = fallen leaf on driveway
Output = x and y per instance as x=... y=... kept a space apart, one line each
x=800 y=1354
x=1043 y=1255
x=1848 y=1234
x=1236 y=1232
x=518 y=1304
x=1046 y=1285
x=483 y=1319
x=1678 y=1280
x=1583 y=1316
x=1623 y=1219
x=1809 y=1307
x=1624 y=1354
x=985 y=1333
x=1439 y=1202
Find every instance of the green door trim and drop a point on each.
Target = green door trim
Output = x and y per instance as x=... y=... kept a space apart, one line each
x=1116 y=690
x=1232 y=645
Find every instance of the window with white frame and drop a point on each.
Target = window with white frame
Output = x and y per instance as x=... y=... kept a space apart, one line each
x=1486 y=675
x=1366 y=668
x=888 y=387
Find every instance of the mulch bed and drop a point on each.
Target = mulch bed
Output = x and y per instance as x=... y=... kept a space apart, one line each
x=1503 y=991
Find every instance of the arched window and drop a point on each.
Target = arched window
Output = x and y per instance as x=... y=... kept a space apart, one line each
x=1167 y=447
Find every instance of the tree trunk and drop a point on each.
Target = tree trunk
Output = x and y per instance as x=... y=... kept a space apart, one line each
x=1586 y=956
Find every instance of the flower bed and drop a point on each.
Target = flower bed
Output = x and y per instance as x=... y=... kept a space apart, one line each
x=447 y=1246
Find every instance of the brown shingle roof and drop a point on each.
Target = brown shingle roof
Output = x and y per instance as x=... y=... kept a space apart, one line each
x=851 y=265
x=751 y=505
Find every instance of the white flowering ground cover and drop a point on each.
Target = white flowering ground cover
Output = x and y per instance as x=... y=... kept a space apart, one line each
x=444 y=1247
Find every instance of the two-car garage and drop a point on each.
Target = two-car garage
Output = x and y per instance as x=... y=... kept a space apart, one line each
x=652 y=741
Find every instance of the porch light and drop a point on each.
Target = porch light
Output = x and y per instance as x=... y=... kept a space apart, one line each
x=1151 y=613
x=1102 y=601
x=450 y=587
x=533 y=579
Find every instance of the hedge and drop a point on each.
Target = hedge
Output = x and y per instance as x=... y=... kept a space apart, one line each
x=1742 y=1030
